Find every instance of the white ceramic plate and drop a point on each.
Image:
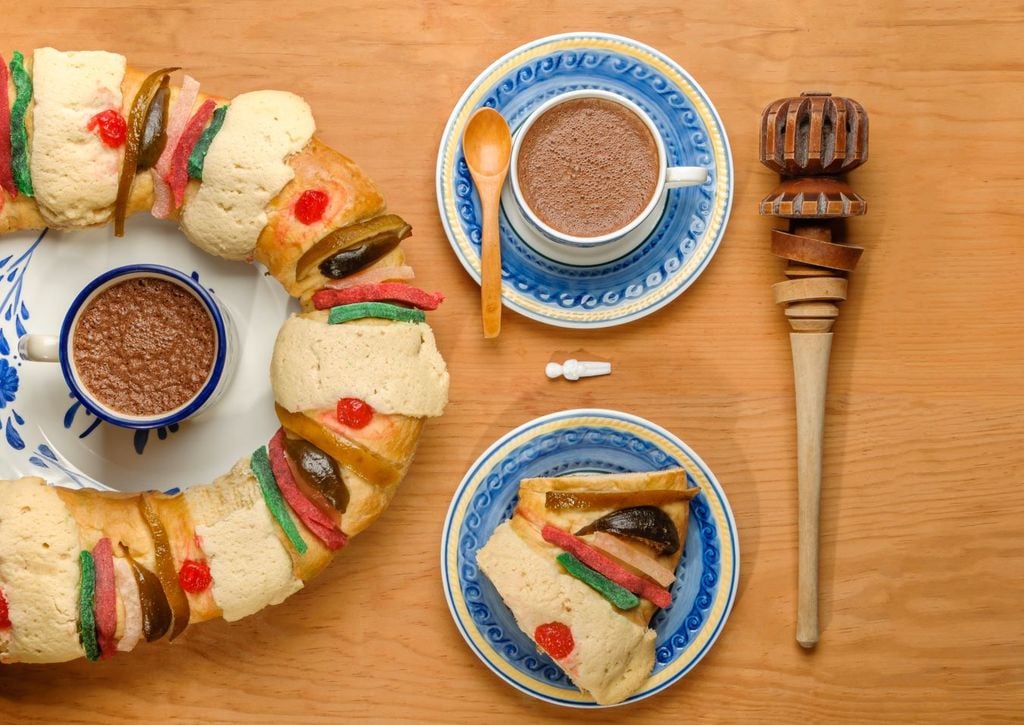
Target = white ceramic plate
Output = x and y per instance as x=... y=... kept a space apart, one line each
x=587 y=441
x=45 y=432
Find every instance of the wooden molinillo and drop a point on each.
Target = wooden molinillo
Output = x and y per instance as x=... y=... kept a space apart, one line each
x=810 y=140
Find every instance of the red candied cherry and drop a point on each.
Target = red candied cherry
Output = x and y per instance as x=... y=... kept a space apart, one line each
x=194 y=576
x=354 y=413
x=311 y=206
x=5 y=617
x=111 y=127
x=555 y=638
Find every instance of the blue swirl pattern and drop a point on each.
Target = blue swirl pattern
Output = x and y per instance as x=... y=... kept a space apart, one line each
x=656 y=262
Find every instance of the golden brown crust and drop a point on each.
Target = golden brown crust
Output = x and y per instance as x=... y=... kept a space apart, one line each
x=532 y=495
x=342 y=449
x=19 y=214
x=396 y=439
x=352 y=198
x=391 y=437
x=115 y=516
x=317 y=556
x=174 y=514
x=367 y=502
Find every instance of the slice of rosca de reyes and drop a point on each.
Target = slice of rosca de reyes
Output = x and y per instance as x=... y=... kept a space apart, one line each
x=584 y=563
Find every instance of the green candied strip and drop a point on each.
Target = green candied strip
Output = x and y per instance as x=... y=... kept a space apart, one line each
x=19 y=134
x=619 y=597
x=198 y=156
x=260 y=465
x=86 y=615
x=359 y=310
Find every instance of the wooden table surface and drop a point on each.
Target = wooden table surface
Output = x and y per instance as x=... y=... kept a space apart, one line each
x=922 y=569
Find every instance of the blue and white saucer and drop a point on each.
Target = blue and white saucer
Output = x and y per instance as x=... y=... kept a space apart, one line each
x=594 y=292
x=587 y=441
x=46 y=432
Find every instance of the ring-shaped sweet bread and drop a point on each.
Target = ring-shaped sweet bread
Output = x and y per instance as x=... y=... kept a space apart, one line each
x=90 y=573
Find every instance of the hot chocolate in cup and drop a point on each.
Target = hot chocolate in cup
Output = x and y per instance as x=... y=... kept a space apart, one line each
x=588 y=167
x=142 y=346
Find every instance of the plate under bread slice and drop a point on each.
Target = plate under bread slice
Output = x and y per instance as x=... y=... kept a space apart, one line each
x=601 y=640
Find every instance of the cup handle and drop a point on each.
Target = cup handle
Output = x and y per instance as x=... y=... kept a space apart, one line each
x=39 y=348
x=677 y=176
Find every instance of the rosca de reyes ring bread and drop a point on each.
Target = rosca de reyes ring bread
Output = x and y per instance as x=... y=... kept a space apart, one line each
x=88 y=141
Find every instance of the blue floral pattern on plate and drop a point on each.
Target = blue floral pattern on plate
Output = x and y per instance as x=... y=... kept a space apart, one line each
x=45 y=431
x=15 y=313
x=584 y=441
x=693 y=221
x=8 y=383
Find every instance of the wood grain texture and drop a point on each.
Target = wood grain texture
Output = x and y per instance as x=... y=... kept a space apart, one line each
x=922 y=541
x=810 y=378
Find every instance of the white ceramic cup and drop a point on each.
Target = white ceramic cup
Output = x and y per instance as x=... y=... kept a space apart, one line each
x=669 y=177
x=54 y=348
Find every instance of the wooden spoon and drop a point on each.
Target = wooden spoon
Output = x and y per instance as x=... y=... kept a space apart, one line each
x=487 y=144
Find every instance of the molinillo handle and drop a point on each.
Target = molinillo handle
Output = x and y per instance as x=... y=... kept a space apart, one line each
x=810 y=140
x=676 y=176
x=39 y=348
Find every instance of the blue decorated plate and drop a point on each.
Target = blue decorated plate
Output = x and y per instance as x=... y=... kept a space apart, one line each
x=587 y=441
x=45 y=432
x=686 y=237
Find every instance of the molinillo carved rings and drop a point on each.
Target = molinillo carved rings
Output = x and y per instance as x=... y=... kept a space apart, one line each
x=816 y=252
x=810 y=140
x=810 y=288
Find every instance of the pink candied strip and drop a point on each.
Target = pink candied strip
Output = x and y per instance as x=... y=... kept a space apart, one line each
x=178 y=176
x=373 y=275
x=6 y=174
x=380 y=292
x=601 y=563
x=161 y=196
x=177 y=118
x=319 y=524
x=181 y=111
x=105 y=598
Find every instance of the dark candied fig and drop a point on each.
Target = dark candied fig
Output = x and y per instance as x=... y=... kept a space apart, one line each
x=318 y=470
x=348 y=249
x=648 y=524
x=350 y=261
x=154 y=132
x=132 y=144
x=156 y=612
